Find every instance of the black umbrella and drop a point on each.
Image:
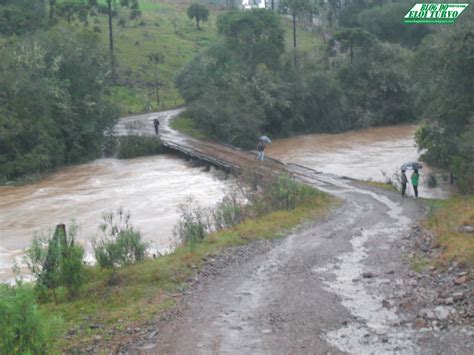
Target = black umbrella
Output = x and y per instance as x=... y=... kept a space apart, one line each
x=412 y=165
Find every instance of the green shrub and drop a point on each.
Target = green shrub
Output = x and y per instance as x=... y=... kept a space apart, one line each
x=267 y=194
x=253 y=196
x=138 y=146
x=57 y=261
x=120 y=243
x=23 y=328
x=229 y=212
x=72 y=264
x=191 y=228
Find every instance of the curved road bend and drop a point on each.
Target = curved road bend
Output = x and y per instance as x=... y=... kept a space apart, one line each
x=305 y=294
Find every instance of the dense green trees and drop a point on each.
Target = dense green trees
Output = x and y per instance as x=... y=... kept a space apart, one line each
x=18 y=17
x=244 y=86
x=227 y=85
x=385 y=23
x=444 y=68
x=254 y=37
x=53 y=109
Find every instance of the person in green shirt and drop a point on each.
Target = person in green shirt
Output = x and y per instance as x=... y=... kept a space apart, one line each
x=415 y=177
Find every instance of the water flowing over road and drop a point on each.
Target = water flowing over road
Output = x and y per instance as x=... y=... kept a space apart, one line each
x=323 y=289
x=304 y=294
x=152 y=187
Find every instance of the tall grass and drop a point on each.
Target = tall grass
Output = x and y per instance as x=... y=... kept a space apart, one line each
x=446 y=219
x=254 y=196
x=24 y=329
x=142 y=290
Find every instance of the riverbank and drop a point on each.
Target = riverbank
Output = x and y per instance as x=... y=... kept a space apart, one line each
x=104 y=312
x=120 y=147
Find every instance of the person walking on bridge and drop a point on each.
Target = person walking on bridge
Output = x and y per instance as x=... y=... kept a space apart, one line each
x=156 y=123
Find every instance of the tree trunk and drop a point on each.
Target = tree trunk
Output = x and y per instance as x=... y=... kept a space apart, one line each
x=294 y=30
x=351 y=52
x=157 y=96
x=55 y=297
x=273 y=4
x=197 y=24
x=294 y=37
x=111 y=39
x=52 y=9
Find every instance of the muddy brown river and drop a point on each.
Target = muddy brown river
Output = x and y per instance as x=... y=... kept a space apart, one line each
x=374 y=154
x=152 y=188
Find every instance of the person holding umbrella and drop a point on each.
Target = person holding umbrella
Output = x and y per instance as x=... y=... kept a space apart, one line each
x=261 y=147
x=415 y=176
x=404 y=181
x=414 y=181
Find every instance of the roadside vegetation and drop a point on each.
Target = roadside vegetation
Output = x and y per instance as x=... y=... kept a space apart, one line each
x=184 y=124
x=126 y=288
x=134 y=146
x=452 y=223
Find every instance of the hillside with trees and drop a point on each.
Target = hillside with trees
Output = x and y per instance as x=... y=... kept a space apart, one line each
x=308 y=66
x=54 y=104
x=370 y=70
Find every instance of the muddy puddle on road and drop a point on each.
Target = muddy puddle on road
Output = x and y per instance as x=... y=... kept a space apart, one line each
x=374 y=154
x=150 y=188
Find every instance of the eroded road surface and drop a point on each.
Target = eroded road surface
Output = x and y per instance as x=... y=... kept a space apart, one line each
x=328 y=288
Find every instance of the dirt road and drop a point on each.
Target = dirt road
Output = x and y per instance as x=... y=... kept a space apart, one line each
x=334 y=286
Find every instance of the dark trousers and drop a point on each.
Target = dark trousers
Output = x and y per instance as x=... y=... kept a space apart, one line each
x=415 y=188
x=404 y=188
x=156 y=129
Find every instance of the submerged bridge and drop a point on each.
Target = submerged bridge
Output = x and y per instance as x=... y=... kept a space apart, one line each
x=220 y=155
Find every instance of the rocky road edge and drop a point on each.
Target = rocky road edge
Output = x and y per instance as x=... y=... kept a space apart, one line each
x=440 y=297
x=434 y=299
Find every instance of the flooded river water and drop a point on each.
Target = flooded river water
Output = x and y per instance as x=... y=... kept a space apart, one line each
x=374 y=154
x=151 y=188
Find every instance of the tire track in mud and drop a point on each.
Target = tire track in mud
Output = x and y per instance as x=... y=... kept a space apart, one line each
x=373 y=323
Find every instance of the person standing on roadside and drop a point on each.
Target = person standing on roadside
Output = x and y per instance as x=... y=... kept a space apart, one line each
x=404 y=181
x=261 y=150
x=415 y=177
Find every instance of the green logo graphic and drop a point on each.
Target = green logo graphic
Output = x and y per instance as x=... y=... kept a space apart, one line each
x=434 y=13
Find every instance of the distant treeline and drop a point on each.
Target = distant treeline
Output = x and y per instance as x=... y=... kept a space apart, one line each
x=371 y=70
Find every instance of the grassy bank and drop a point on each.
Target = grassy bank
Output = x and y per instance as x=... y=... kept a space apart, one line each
x=184 y=124
x=105 y=309
x=165 y=28
x=446 y=220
